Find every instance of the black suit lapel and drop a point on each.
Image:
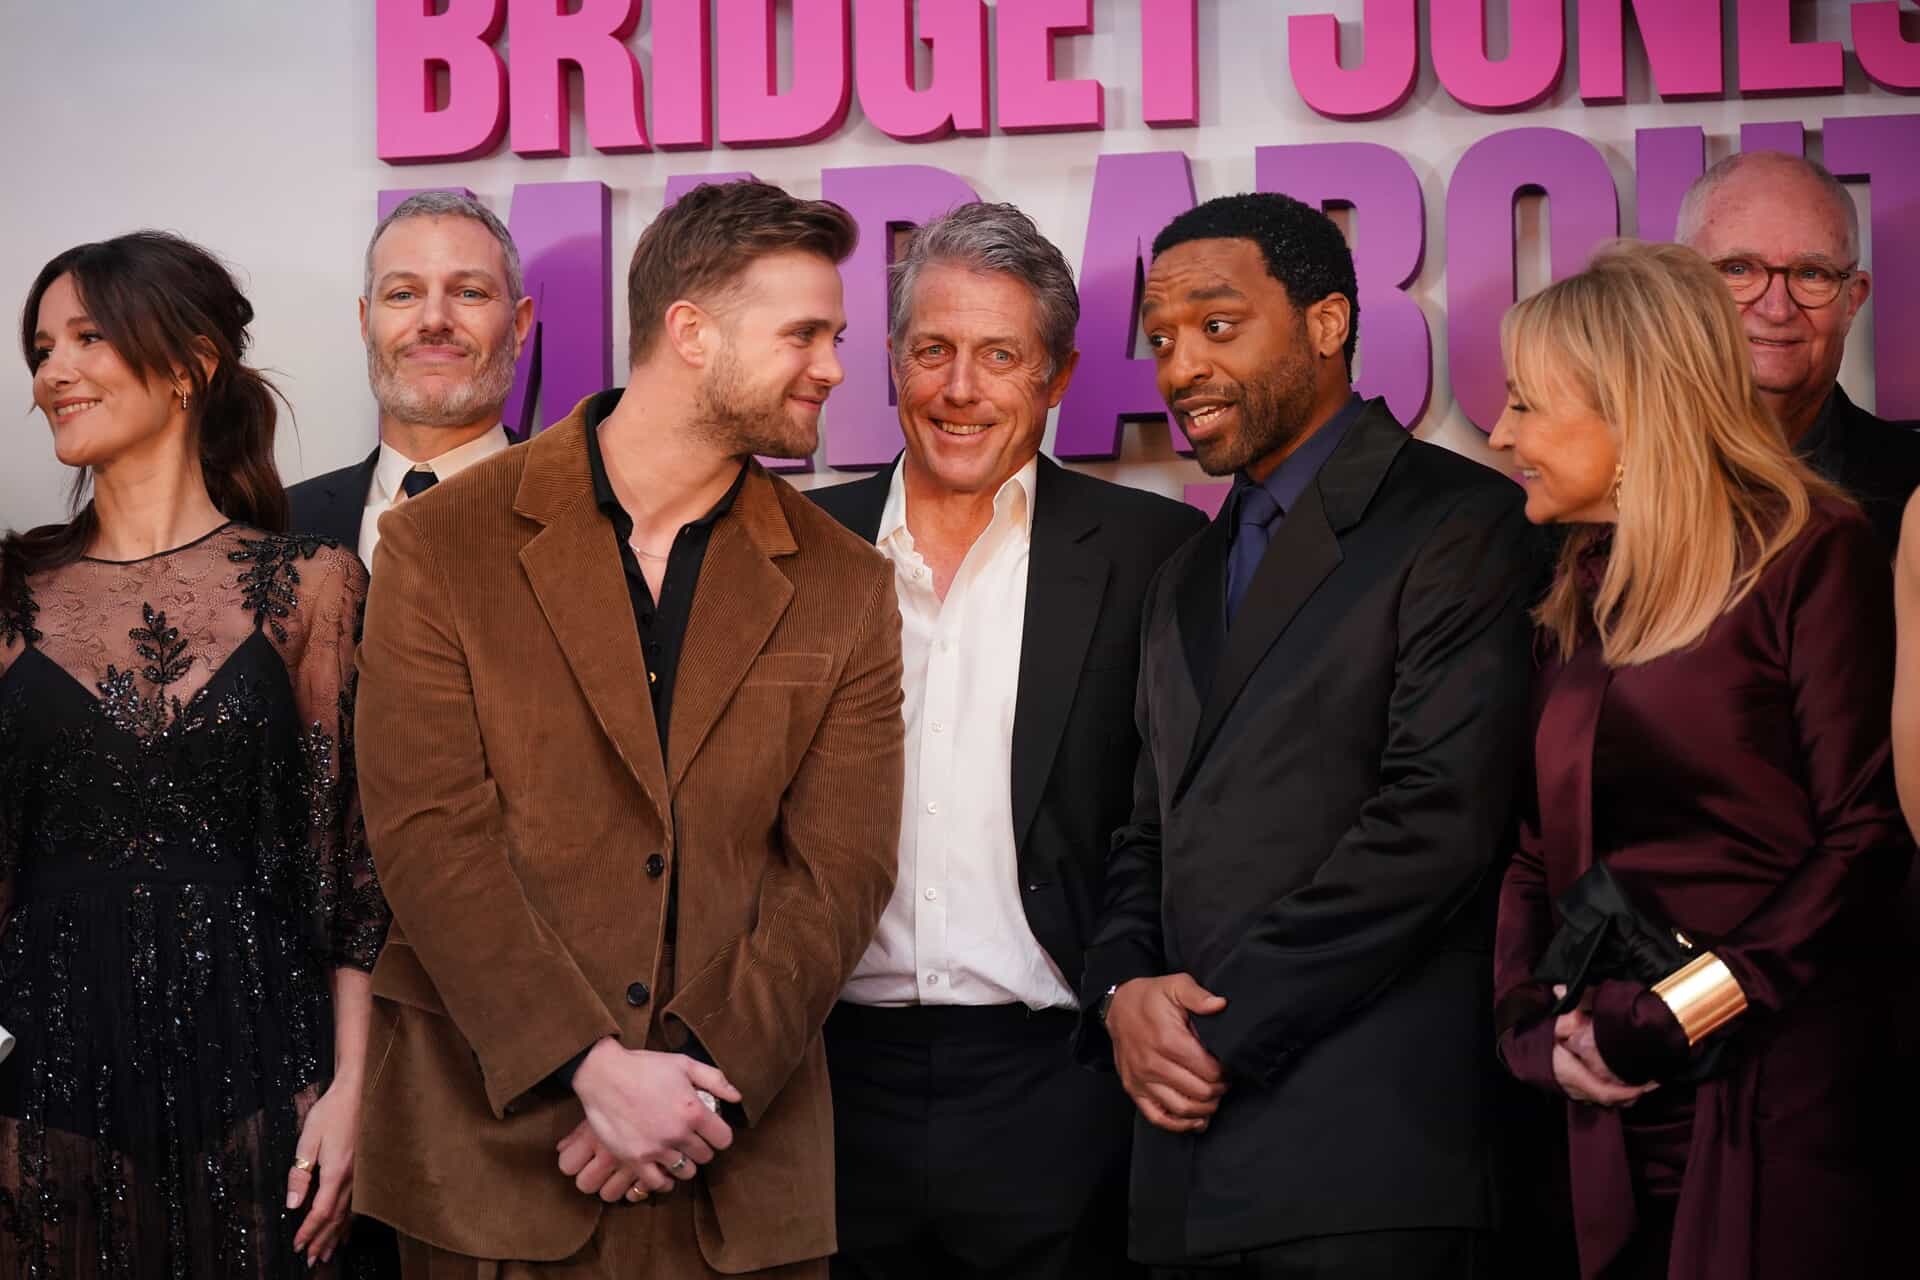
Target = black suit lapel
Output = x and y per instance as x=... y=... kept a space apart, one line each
x=1303 y=552
x=1066 y=581
x=346 y=502
x=1200 y=603
x=858 y=504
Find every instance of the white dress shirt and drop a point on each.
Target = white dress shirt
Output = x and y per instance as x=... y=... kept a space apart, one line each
x=392 y=467
x=956 y=930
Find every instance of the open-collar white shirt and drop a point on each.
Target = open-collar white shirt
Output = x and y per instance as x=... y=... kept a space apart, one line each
x=956 y=931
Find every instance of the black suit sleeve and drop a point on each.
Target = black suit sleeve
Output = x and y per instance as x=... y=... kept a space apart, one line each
x=1127 y=945
x=1431 y=834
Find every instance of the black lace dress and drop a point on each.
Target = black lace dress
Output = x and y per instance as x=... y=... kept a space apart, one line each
x=182 y=866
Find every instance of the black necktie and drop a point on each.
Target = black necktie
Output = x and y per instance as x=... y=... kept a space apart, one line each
x=417 y=482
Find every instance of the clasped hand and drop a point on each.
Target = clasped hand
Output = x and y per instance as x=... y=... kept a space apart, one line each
x=1163 y=1066
x=1582 y=1073
x=645 y=1128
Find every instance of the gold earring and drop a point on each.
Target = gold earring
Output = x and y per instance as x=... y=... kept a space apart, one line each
x=1619 y=475
x=183 y=402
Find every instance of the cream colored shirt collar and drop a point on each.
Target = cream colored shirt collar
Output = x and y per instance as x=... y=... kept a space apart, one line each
x=393 y=465
x=1013 y=500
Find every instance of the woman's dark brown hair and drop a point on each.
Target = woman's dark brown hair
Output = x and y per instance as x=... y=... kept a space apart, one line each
x=165 y=304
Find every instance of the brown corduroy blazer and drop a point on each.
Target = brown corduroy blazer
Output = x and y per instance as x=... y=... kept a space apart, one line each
x=514 y=792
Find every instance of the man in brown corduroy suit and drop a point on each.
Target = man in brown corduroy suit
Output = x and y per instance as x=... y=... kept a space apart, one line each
x=630 y=754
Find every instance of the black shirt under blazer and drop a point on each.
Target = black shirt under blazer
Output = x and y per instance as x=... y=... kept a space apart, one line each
x=1095 y=545
x=1320 y=820
x=331 y=504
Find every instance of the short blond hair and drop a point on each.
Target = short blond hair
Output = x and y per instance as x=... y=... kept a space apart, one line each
x=1648 y=338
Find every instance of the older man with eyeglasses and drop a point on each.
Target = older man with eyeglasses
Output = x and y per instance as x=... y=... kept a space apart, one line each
x=1786 y=238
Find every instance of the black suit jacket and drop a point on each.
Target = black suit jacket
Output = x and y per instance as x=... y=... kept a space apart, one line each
x=1095 y=547
x=1321 y=811
x=1876 y=461
x=331 y=504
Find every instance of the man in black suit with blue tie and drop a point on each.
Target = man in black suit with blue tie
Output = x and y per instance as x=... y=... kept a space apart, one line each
x=1292 y=972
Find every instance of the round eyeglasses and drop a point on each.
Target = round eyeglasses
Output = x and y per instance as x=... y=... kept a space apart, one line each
x=1809 y=283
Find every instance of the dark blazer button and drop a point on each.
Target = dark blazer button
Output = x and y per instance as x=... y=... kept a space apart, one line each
x=656 y=866
x=637 y=994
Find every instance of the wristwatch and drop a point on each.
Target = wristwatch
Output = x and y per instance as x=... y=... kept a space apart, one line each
x=1106 y=1004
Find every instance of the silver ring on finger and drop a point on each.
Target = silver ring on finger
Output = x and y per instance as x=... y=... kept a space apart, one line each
x=679 y=1164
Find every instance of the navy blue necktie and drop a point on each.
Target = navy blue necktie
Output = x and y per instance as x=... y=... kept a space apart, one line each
x=415 y=482
x=1253 y=519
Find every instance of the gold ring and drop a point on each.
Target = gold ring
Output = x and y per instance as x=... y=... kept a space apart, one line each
x=635 y=1195
x=303 y=1164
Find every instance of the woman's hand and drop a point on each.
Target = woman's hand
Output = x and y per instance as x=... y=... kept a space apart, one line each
x=323 y=1157
x=1582 y=1073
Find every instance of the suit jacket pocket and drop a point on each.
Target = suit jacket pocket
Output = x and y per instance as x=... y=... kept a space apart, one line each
x=399 y=977
x=790 y=668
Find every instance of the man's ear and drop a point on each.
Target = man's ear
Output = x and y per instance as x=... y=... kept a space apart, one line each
x=689 y=330
x=1057 y=388
x=1329 y=321
x=522 y=322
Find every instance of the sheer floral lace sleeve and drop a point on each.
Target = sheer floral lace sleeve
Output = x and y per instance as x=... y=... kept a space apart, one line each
x=309 y=595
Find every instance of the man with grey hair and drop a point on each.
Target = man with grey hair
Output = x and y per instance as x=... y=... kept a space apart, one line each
x=1786 y=239
x=968 y=1142
x=443 y=314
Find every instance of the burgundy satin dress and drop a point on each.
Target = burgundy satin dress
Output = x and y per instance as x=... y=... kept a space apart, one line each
x=1742 y=791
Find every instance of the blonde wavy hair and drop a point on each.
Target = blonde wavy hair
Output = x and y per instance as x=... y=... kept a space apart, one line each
x=1648 y=338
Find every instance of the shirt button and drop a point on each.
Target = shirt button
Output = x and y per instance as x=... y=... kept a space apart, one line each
x=656 y=866
x=938 y=727
x=933 y=806
x=933 y=979
x=933 y=895
x=946 y=646
x=637 y=994
x=646 y=619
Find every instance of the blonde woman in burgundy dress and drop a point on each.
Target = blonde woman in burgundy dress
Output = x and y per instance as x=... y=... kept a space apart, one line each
x=1711 y=743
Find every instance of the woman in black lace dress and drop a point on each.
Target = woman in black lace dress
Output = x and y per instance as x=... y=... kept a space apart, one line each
x=188 y=912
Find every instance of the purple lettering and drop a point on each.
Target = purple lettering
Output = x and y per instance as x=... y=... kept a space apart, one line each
x=1890 y=59
x=1536 y=50
x=412 y=44
x=753 y=111
x=1770 y=60
x=1169 y=63
x=956 y=99
x=1880 y=150
x=1683 y=48
x=1573 y=175
x=1134 y=196
x=545 y=40
x=1031 y=100
x=1381 y=81
x=1665 y=163
x=1396 y=350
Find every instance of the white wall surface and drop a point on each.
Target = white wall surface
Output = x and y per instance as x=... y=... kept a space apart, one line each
x=248 y=125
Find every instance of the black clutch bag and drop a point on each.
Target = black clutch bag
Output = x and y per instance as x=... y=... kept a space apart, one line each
x=1603 y=935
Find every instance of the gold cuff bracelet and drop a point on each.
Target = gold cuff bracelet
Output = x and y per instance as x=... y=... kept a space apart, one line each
x=1704 y=996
